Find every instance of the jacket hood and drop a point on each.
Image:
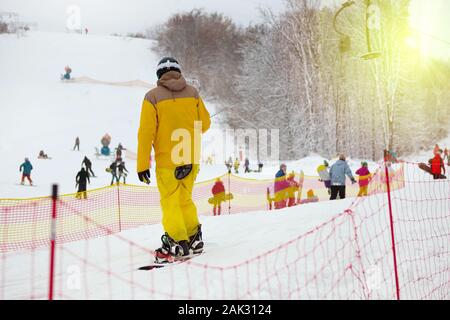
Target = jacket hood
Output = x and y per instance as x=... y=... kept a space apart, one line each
x=340 y=163
x=173 y=81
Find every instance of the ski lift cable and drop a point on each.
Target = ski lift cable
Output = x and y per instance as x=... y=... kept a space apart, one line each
x=432 y=36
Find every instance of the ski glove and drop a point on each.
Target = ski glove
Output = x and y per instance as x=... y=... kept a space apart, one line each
x=144 y=176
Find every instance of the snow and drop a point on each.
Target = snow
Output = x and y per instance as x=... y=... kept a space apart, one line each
x=41 y=112
x=221 y=249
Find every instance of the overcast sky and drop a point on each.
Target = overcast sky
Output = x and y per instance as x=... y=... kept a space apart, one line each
x=123 y=16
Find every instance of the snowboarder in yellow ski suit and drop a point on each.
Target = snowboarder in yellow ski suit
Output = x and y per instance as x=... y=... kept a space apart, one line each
x=173 y=117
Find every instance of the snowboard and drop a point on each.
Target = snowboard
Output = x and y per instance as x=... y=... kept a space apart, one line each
x=178 y=260
x=427 y=169
x=227 y=197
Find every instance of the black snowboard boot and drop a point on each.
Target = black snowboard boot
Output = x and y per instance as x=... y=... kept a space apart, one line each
x=171 y=249
x=196 y=241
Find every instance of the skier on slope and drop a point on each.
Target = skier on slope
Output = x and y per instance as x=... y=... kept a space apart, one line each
x=88 y=165
x=437 y=166
x=236 y=166
x=229 y=164
x=119 y=150
x=364 y=179
x=82 y=179
x=247 y=165
x=173 y=106
x=113 y=170
x=77 y=144
x=123 y=172
x=218 y=191
x=26 y=167
x=338 y=171
x=324 y=175
x=292 y=189
x=281 y=187
x=68 y=71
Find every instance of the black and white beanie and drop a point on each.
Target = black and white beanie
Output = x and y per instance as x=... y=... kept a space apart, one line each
x=167 y=64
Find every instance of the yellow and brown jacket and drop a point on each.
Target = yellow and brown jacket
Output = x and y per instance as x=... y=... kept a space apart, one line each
x=172 y=105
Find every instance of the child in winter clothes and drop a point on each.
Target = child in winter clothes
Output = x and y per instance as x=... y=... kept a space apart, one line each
x=324 y=175
x=281 y=186
x=218 y=191
x=364 y=178
x=437 y=166
x=236 y=166
x=292 y=189
x=26 y=167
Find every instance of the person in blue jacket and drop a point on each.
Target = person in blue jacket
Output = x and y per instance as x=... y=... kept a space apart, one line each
x=26 y=167
x=338 y=171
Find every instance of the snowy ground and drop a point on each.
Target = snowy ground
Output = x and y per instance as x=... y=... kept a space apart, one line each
x=41 y=112
x=304 y=252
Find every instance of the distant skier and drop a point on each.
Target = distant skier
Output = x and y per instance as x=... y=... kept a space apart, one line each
x=43 y=156
x=281 y=187
x=26 y=167
x=123 y=172
x=338 y=171
x=437 y=166
x=119 y=150
x=160 y=116
x=113 y=170
x=88 y=165
x=86 y=31
x=218 y=191
x=236 y=165
x=82 y=179
x=292 y=189
x=364 y=178
x=324 y=175
x=68 y=71
x=247 y=165
x=229 y=164
x=77 y=144
x=260 y=166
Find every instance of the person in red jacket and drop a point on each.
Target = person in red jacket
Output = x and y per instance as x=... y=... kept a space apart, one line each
x=218 y=191
x=437 y=166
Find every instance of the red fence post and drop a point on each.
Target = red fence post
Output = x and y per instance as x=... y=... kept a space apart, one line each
x=52 y=241
x=391 y=218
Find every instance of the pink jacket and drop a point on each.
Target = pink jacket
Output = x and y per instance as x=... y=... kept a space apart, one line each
x=364 y=176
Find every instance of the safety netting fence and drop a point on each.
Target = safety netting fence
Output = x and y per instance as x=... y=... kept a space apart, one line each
x=391 y=244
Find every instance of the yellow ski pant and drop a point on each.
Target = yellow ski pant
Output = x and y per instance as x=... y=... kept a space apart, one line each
x=179 y=213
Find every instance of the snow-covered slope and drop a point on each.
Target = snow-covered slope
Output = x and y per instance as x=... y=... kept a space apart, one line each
x=40 y=112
